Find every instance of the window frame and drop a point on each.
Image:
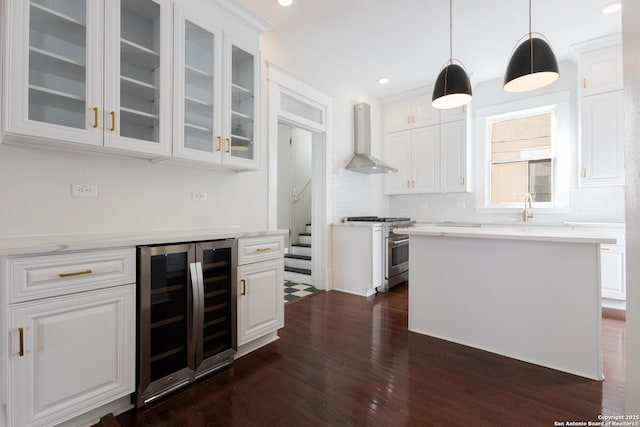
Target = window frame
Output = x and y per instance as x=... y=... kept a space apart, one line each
x=519 y=115
x=564 y=137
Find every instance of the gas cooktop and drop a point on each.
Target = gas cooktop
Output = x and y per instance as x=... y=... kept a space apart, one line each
x=376 y=219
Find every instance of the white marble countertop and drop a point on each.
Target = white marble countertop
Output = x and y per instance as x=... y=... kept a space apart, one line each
x=73 y=242
x=566 y=235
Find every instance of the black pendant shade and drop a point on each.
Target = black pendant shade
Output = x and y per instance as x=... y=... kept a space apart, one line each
x=533 y=65
x=452 y=88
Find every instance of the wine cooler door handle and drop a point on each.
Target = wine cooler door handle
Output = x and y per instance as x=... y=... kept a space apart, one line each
x=200 y=316
x=195 y=289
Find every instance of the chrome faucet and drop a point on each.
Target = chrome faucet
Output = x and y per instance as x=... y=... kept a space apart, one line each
x=527 y=213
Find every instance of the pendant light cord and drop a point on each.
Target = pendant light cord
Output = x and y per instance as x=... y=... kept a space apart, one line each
x=451 y=31
x=530 y=39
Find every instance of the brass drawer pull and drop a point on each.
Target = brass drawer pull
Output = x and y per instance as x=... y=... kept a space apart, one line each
x=244 y=287
x=95 y=117
x=113 y=121
x=263 y=249
x=219 y=147
x=75 y=273
x=605 y=249
x=21 y=334
x=228 y=144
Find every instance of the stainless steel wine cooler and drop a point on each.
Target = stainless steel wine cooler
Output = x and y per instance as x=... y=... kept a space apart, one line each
x=186 y=314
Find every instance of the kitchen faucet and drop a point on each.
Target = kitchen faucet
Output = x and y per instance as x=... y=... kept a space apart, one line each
x=527 y=213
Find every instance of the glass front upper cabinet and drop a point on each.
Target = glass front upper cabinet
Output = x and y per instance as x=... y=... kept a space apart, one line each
x=91 y=72
x=138 y=103
x=243 y=105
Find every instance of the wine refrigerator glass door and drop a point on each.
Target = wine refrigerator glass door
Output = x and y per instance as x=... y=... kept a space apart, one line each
x=216 y=342
x=165 y=319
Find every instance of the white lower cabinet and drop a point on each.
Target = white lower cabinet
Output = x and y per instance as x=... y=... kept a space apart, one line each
x=70 y=324
x=260 y=291
x=70 y=354
x=261 y=299
x=612 y=266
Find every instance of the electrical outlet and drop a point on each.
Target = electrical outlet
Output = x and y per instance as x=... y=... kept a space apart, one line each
x=84 y=190
x=199 y=195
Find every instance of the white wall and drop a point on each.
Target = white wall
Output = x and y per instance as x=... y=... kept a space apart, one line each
x=134 y=194
x=352 y=193
x=596 y=204
x=631 y=49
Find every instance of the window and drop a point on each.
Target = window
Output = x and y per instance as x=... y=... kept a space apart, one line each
x=521 y=159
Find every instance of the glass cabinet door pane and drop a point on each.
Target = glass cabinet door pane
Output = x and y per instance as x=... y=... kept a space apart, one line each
x=140 y=70
x=242 y=103
x=57 y=62
x=199 y=50
x=168 y=311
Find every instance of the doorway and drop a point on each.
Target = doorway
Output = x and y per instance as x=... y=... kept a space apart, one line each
x=294 y=208
x=302 y=111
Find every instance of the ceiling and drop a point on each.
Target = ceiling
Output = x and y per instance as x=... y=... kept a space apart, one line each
x=408 y=40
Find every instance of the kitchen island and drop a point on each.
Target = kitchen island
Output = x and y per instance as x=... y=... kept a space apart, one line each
x=526 y=293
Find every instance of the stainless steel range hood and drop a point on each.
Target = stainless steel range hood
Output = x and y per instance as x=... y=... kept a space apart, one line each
x=363 y=161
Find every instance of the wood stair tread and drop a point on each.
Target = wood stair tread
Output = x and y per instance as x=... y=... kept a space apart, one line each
x=298 y=270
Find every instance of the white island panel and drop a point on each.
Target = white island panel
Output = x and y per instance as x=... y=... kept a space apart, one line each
x=532 y=300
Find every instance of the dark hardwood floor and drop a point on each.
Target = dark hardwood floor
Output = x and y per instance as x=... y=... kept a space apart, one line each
x=343 y=360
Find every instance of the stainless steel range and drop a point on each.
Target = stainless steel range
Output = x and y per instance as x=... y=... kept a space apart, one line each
x=395 y=249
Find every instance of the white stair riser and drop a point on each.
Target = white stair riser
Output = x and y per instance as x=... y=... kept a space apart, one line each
x=297 y=250
x=304 y=239
x=297 y=277
x=307 y=229
x=297 y=263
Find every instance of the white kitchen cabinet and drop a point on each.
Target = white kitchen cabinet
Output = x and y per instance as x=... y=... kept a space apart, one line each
x=453 y=114
x=612 y=265
x=432 y=159
x=70 y=354
x=416 y=155
x=602 y=139
x=261 y=299
x=453 y=149
x=601 y=70
x=89 y=73
x=216 y=92
x=357 y=258
x=71 y=334
x=414 y=113
x=601 y=112
x=260 y=291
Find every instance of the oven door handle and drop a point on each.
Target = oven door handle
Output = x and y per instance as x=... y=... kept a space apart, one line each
x=397 y=242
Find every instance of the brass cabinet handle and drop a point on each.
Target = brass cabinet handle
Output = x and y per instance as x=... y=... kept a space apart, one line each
x=263 y=249
x=605 y=249
x=244 y=287
x=408 y=120
x=463 y=180
x=584 y=172
x=95 y=117
x=228 y=144
x=75 y=273
x=413 y=119
x=21 y=349
x=219 y=143
x=584 y=82
x=113 y=120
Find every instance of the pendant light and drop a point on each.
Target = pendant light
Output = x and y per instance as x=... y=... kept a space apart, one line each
x=452 y=88
x=533 y=64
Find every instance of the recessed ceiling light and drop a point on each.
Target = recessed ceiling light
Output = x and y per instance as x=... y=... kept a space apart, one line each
x=383 y=80
x=285 y=3
x=611 y=7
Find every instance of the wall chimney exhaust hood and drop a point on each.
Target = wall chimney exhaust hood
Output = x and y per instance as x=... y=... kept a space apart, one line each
x=363 y=161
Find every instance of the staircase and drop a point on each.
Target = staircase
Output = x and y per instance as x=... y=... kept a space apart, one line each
x=297 y=264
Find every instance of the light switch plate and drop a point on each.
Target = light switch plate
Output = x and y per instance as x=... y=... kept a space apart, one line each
x=199 y=195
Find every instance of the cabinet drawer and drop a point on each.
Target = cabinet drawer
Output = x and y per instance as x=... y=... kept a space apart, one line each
x=43 y=276
x=260 y=249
